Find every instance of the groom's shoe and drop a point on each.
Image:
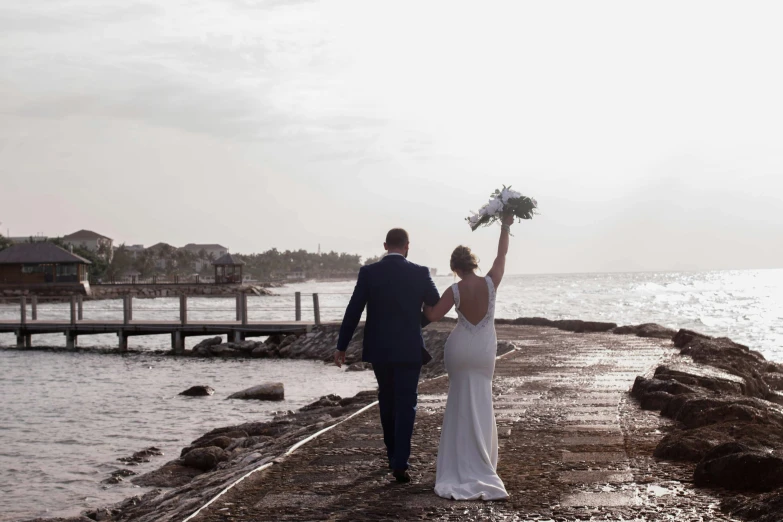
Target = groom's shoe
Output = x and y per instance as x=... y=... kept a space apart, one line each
x=401 y=476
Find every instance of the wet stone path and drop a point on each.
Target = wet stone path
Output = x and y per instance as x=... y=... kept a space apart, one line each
x=573 y=446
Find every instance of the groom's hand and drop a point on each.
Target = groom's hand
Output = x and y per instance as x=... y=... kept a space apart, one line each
x=339 y=358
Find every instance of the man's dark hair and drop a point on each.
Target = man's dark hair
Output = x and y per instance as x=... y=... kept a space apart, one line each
x=397 y=238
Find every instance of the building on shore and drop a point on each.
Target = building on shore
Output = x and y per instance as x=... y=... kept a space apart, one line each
x=160 y=252
x=210 y=251
x=297 y=274
x=92 y=241
x=41 y=263
x=134 y=250
x=228 y=269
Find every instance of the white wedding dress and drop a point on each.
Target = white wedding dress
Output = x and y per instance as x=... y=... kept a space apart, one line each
x=468 y=451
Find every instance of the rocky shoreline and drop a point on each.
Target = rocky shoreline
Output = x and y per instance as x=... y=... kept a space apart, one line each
x=726 y=402
x=724 y=398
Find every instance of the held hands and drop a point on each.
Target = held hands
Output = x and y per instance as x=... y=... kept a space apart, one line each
x=339 y=358
x=508 y=219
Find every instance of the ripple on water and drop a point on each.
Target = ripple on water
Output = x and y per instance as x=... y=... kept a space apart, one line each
x=64 y=429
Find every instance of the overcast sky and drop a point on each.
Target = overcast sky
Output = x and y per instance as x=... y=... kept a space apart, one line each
x=651 y=133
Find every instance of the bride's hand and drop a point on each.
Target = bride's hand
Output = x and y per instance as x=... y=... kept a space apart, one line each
x=508 y=219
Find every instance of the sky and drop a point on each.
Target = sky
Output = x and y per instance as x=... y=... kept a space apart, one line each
x=651 y=133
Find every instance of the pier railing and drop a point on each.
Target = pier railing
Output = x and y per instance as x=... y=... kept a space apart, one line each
x=303 y=304
x=248 y=315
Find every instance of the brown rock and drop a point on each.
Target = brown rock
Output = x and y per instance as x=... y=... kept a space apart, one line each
x=205 y=459
x=738 y=466
x=264 y=392
x=198 y=391
x=646 y=330
x=221 y=442
x=171 y=475
x=762 y=508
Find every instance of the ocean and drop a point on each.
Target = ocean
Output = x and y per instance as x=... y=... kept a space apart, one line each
x=67 y=416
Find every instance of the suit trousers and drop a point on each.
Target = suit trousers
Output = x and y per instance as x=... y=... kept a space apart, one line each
x=398 y=385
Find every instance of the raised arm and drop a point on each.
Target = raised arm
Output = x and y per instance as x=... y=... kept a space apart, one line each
x=441 y=308
x=499 y=266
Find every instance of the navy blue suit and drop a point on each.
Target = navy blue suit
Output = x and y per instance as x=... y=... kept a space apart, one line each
x=393 y=290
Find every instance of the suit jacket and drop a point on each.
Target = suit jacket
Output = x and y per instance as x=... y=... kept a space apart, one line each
x=393 y=290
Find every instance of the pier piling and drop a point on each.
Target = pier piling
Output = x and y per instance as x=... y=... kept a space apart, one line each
x=23 y=310
x=316 y=310
x=34 y=307
x=183 y=309
x=178 y=343
x=123 y=341
x=80 y=308
x=70 y=339
x=73 y=309
x=244 y=308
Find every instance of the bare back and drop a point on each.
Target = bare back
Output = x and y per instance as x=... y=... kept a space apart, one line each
x=474 y=298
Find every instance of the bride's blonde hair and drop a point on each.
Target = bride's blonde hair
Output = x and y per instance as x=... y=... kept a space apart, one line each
x=463 y=259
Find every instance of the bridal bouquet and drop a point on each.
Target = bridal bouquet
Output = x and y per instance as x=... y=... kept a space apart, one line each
x=503 y=202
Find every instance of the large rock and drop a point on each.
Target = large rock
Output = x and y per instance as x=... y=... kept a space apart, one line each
x=206 y=439
x=774 y=380
x=569 y=325
x=202 y=348
x=225 y=350
x=642 y=386
x=205 y=459
x=198 y=391
x=738 y=466
x=646 y=330
x=288 y=340
x=683 y=337
x=171 y=475
x=264 y=392
x=264 y=350
x=327 y=401
x=688 y=446
x=244 y=346
x=732 y=412
x=275 y=339
x=221 y=442
x=762 y=508
x=708 y=378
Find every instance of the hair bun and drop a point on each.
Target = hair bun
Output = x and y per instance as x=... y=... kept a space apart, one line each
x=463 y=259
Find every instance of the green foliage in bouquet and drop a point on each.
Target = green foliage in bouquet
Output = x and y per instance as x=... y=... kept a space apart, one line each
x=501 y=203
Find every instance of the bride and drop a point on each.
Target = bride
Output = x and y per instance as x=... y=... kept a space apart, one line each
x=468 y=451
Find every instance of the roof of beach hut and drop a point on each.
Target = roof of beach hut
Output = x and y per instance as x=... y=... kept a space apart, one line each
x=228 y=260
x=38 y=253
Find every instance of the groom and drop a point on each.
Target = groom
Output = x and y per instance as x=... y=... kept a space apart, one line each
x=393 y=290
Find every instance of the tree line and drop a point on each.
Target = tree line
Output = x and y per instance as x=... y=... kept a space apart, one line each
x=167 y=261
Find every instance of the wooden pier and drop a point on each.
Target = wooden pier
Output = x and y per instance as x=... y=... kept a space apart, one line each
x=24 y=328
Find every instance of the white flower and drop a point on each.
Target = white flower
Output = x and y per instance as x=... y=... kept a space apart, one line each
x=495 y=206
x=474 y=219
x=508 y=194
x=484 y=211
